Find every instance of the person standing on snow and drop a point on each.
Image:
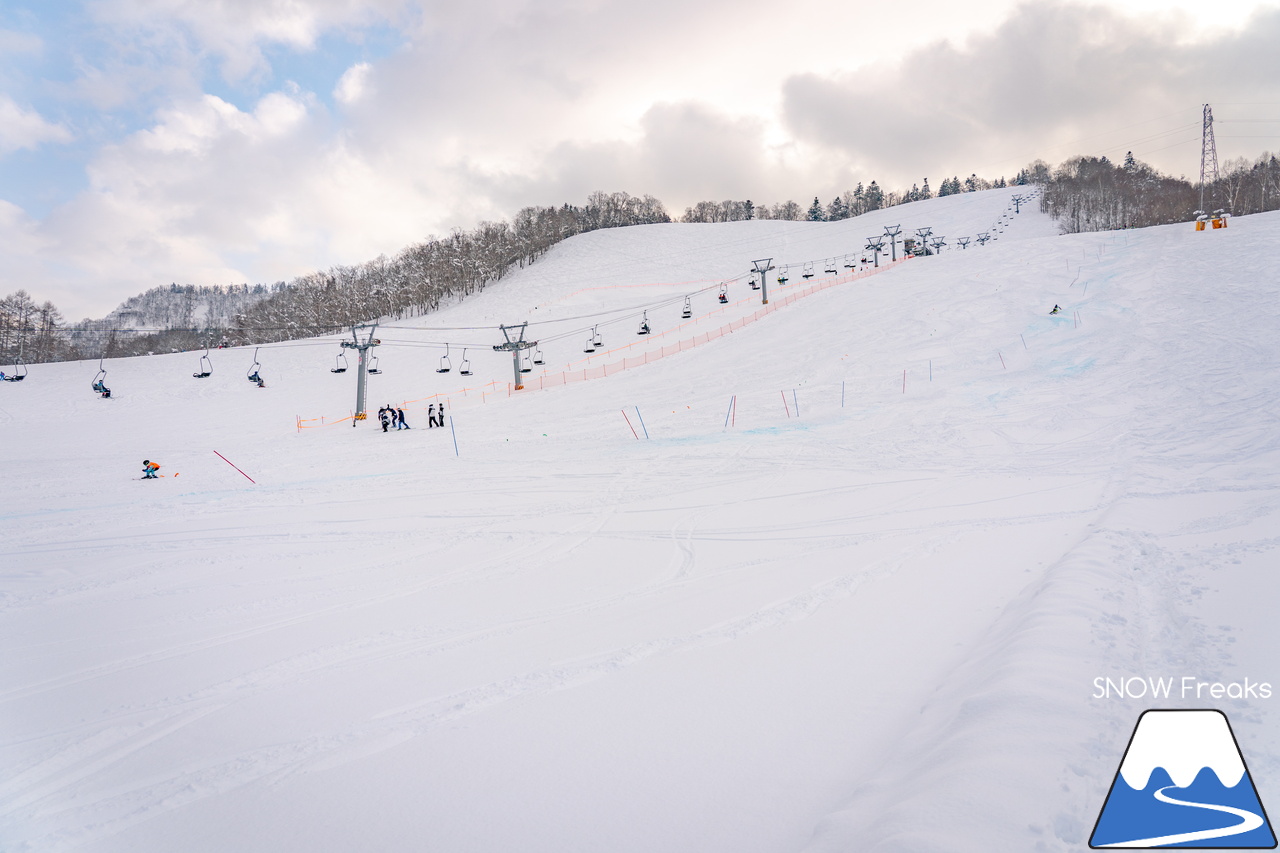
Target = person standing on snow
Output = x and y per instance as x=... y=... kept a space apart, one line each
x=400 y=424
x=431 y=416
x=385 y=418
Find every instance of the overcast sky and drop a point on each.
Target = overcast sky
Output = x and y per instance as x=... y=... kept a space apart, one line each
x=144 y=142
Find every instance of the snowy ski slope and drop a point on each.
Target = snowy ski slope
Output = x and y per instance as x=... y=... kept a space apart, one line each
x=866 y=615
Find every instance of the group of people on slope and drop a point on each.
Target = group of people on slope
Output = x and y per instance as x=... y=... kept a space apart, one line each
x=391 y=416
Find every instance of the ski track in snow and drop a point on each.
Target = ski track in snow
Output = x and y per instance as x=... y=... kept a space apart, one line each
x=872 y=626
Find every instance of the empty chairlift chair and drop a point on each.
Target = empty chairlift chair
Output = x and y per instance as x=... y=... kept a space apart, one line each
x=525 y=365
x=808 y=271
x=465 y=367
x=373 y=365
x=19 y=371
x=339 y=364
x=445 y=364
x=537 y=357
x=688 y=309
x=848 y=262
x=206 y=366
x=830 y=268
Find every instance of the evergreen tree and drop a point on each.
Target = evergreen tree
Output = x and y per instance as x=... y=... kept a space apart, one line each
x=815 y=211
x=837 y=210
x=874 y=197
x=926 y=192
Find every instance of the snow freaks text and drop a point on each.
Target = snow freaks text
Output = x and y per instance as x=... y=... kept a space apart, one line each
x=1178 y=687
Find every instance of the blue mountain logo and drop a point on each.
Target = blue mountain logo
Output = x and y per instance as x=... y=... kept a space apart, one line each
x=1183 y=783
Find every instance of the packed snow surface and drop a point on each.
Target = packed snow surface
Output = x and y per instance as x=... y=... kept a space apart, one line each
x=842 y=579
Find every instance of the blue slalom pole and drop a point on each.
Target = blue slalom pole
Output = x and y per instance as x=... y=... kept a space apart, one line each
x=793 y=399
x=642 y=426
x=455 y=436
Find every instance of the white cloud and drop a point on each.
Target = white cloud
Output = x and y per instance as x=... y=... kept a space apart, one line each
x=21 y=128
x=354 y=83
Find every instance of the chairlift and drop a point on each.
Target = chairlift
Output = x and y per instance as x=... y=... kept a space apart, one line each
x=373 y=365
x=782 y=274
x=537 y=357
x=465 y=367
x=445 y=364
x=590 y=345
x=724 y=295
x=688 y=309
x=253 y=375
x=644 y=325
x=808 y=271
x=16 y=376
x=848 y=262
x=206 y=366
x=596 y=334
x=99 y=381
x=339 y=364
x=831 y=266
x=525 y=366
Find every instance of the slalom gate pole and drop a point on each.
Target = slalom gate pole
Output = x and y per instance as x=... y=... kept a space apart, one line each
x=904 y=380
x=734 y=404
x=642 y=426
x=232 y=464
x=784 y=402
x=633 y=429
x=1024 y=341
x=797 y=402
x=454 y=433
x=1002 y=364
x=728 y=412
x=930 y=370
x=842 y=393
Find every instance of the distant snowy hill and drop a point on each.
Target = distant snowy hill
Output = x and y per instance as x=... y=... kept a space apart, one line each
x=838 y=576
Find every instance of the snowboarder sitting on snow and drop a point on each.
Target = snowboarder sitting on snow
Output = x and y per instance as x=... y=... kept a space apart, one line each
x=149 y=469
x=1056 y=310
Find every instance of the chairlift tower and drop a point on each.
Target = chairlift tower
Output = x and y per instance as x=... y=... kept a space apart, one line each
x=763 y=266
x=1208 y=153
x=361 y=345
x=876 y=245
x=1017 y=203
x=938 y=243
x=892 y=232
x=983 y=237
x=515 y=348
x=923 y=234
x=963 y=241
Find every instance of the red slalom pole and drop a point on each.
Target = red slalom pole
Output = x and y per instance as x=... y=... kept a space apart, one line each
x=633 y=429
x=233 y=465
